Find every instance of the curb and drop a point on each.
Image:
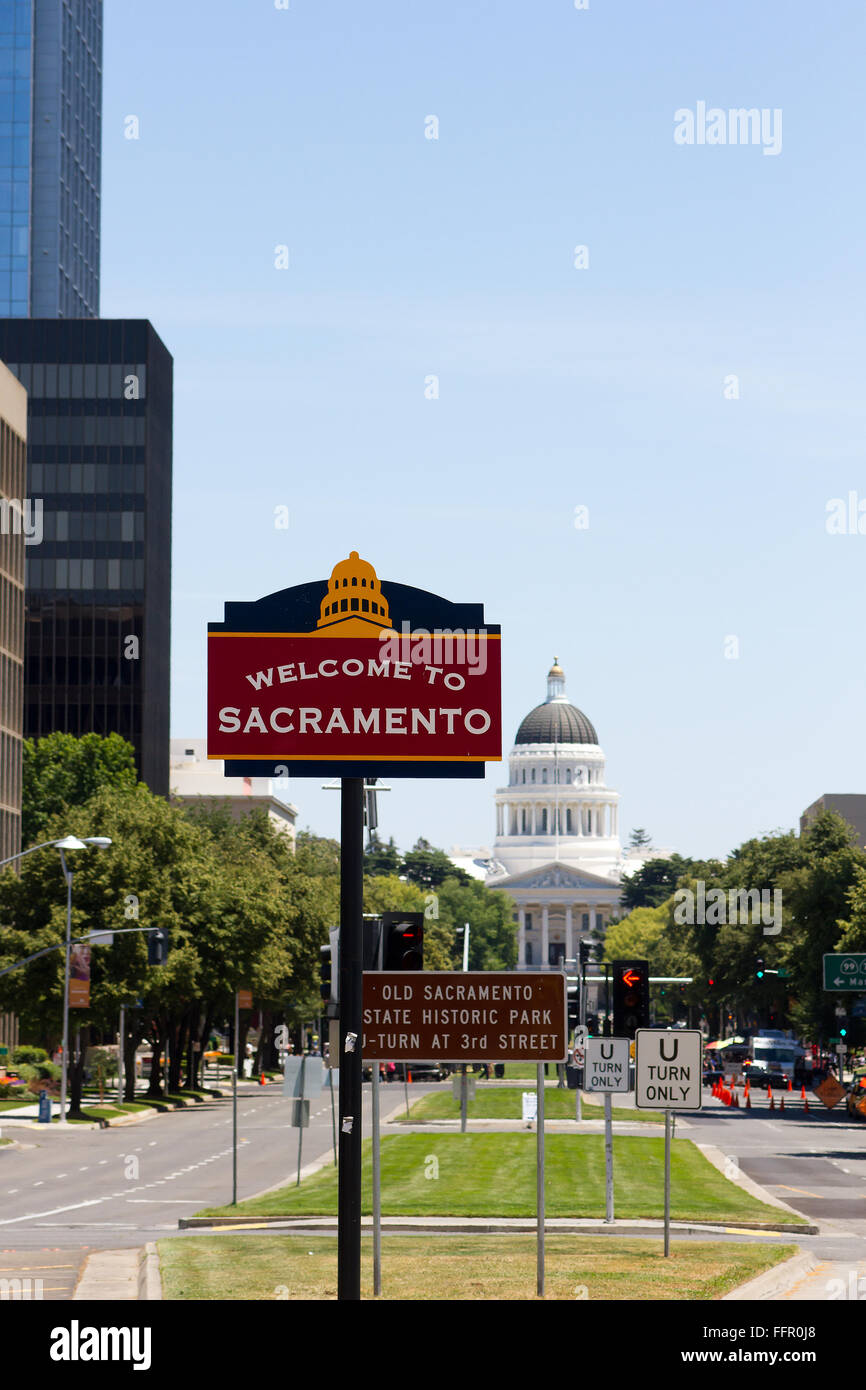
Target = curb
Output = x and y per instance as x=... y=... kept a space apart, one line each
x=149 y=1281
x=481 y=1225
x=774 y=1282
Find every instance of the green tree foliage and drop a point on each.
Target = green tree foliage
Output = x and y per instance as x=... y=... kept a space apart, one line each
x=380 y=858
x=429 y=867
x=61 y=770
x=654 y=882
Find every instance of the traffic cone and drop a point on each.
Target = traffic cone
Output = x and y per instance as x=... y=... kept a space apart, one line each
x=736 y=1101
x=790 y=1086
x=770 y=1094
x=748 y=1099
x=805 y=1104
x=782 y=1101
x=802 y=1092
x=409 y=1077
x=262 y=1081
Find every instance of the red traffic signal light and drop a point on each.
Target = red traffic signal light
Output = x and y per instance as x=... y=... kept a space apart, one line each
x=404 y=940
x=630 y=997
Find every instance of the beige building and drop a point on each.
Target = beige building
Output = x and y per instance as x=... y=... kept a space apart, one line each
x=16 y=512
x=194 y=780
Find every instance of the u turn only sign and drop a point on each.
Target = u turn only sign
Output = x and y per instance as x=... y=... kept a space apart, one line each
x=668 y=1069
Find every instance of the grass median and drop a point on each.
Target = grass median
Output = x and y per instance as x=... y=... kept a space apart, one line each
x=255 y=1267
x=495 y=1175
x=504 y=1103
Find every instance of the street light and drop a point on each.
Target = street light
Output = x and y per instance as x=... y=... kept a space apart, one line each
x=68 y=843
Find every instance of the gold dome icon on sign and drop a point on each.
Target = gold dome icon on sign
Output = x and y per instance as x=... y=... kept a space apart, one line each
x=354 y=605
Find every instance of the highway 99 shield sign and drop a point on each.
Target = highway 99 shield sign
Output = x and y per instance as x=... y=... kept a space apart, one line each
x=668 y=1069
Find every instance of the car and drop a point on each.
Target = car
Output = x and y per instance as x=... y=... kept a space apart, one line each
x=761 y=1076
x=856 y=1099
x=422 y=1071
x=712 y=1073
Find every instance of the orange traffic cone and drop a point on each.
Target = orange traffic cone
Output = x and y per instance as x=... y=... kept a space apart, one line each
x=790 y=1086
x=802 y=1092
x=748 y=1099
x=805 y=1105
x=409 y=1076
x=770 y=1094
x=262 y=1081
x=736 y=1101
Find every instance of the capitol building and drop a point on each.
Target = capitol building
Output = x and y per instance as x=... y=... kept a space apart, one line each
x=557 y=851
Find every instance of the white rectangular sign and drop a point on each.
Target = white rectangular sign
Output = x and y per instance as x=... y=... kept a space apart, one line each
x=530 y=1106
x=607 y=1065
x=668 y=1069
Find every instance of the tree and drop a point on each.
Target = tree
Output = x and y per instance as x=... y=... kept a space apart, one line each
x=490 y=914
x=429 y=867
x=380 y=858
x=639 y=839
x=61 y=770
x=654 y=882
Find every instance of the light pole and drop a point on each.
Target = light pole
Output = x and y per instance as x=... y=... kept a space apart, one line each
x=69 y=842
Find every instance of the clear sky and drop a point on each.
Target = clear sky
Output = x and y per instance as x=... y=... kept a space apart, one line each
x=559 y=387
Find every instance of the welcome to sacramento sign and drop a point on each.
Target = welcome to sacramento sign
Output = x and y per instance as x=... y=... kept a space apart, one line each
x=354 y=677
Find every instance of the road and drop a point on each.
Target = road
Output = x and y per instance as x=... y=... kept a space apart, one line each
x=72 y=1191
x=67 y=1192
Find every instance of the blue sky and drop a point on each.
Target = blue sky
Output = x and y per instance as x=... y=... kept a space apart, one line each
x=558 y=387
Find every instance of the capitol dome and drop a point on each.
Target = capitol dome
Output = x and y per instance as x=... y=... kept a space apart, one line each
x=556 y=721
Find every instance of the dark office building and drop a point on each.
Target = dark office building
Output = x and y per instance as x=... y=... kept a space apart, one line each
x=98 y=596
x=50 y=157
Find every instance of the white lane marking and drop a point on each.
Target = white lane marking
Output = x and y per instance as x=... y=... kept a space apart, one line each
x=35 y=1215
x=41 y=1183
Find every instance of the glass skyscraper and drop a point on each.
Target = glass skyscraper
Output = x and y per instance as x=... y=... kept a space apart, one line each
x=50 y=141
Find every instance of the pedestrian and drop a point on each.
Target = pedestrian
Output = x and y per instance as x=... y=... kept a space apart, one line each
x=392 y=1071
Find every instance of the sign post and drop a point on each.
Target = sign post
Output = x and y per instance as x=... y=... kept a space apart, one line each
x=539 y=1196
x=668 y=1075
x=355 y=678
x=606 y=1072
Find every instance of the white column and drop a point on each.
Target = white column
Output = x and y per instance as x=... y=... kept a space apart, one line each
x=569 y=934
x=544 y=939
x=521 y=937
x=534 y=820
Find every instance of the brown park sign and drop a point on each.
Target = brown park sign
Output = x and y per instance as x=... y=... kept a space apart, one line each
x=830 y=1092
x=472 y=1016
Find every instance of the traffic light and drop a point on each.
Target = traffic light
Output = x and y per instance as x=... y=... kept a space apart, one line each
x=630 y=997
x=404 y=940
x=157 y=946
x=592 y=1025
x=573 y=1009
x=759 y=968
x=325 y=972
x=583 y=948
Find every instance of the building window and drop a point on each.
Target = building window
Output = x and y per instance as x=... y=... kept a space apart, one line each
x=544 y=821
x=544 y=774
x=528 y=952
x=568 y=774
x=532 y=775
x=584 y=921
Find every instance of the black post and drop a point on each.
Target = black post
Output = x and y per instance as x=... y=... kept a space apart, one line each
x=351 y=984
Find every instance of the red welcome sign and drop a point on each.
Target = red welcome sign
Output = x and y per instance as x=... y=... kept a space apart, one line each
x=348 y=687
